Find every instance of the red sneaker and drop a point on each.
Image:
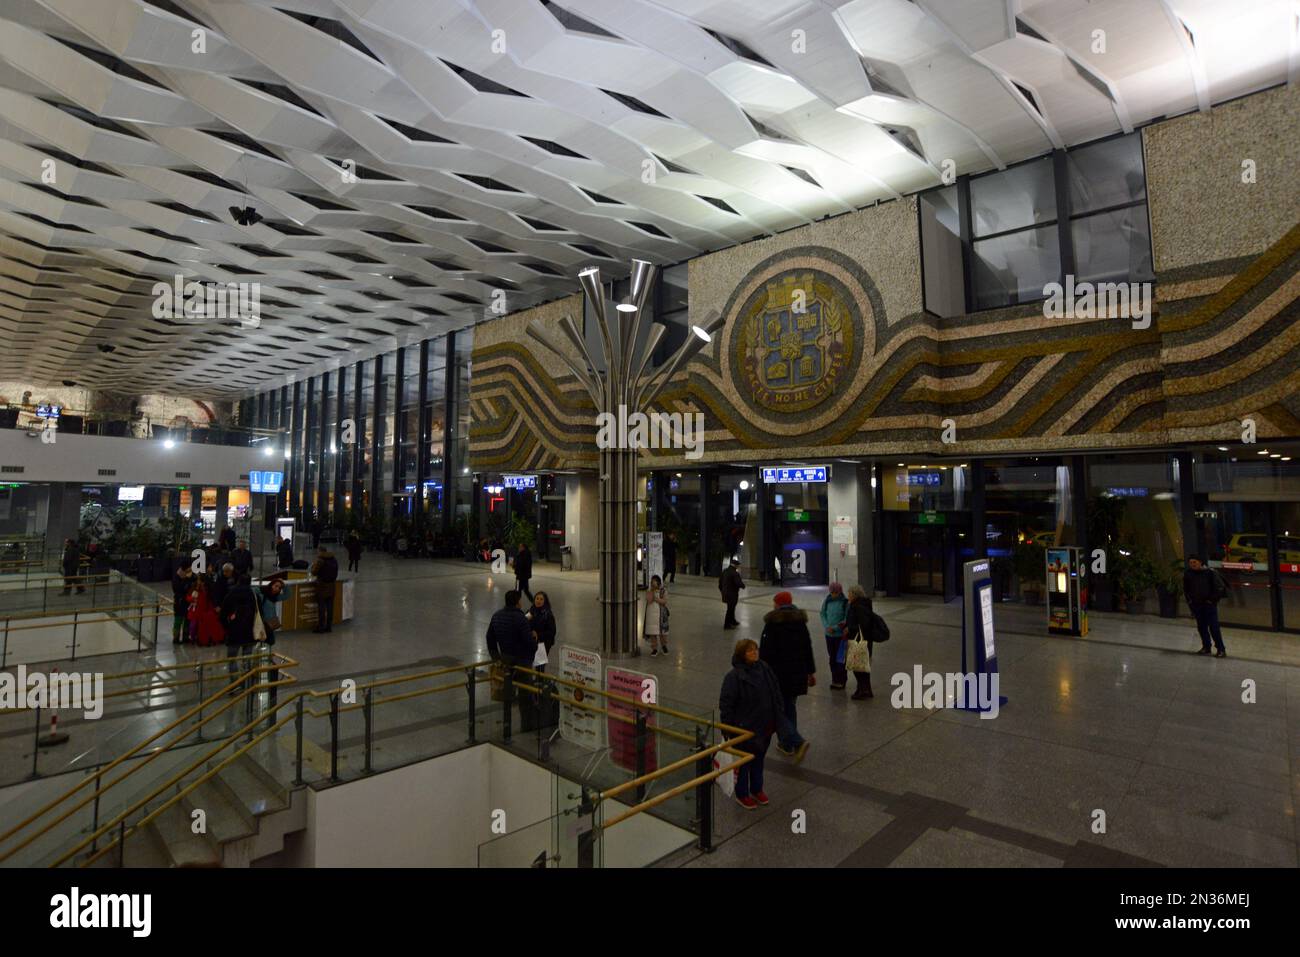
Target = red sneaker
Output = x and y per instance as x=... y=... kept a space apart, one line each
x=761 y=798
x=748 y=803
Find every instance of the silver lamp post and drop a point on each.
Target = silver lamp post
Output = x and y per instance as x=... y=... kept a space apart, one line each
x=623 y=385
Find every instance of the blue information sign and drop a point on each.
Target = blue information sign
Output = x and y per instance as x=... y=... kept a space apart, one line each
x=814 y=473
x=267 y=483
x=519 y=481
x=924 y=478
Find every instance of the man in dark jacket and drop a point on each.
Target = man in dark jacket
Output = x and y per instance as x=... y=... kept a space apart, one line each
x=71 y=567
x=751 y=699
x=786 y=647
x=223 y=583
x=242 y=559
x=326 y=572
x=510 y=640
x=730 y=585
x=226 y=540
x=237 y=611
x=523 y=570
x=1204 y=589
x=182 y=583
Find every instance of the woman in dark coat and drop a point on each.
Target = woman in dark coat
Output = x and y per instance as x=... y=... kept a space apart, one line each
x=238 y=609
x=542 y=621
x=786 y=646
x=858 y=619
x=751 y=699
x=71 y=562
x=353 y=546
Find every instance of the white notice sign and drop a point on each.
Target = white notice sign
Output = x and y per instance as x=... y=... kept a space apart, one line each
x=578 y=725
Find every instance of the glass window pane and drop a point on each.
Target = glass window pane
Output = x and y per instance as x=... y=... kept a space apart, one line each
x=1013 y=198
x=1113 y=247
x=1106 y=174
x=1013 y=269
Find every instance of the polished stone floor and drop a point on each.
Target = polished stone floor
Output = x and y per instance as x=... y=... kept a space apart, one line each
x=1127 y=722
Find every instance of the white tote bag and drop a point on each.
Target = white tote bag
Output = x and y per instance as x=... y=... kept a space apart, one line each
x=727 y=780
x=540 y=658
x=858 y=657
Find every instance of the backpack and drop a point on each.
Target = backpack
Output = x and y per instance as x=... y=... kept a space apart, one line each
x=879 y=630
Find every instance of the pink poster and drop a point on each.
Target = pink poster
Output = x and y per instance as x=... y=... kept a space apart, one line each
x=622 y=733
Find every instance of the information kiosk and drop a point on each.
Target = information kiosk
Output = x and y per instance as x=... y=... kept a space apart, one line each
x=1067 y=596
x=978 y=649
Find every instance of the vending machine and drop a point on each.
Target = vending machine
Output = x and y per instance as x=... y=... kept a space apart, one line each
x=1067 y=595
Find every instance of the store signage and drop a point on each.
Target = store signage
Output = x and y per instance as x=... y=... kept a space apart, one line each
x=519 y=481
x=130 y=493
x=1289 y=569
x=578 y=725
x=268 y=483
x=48 y=411
x=641 y=688
x=816 y=473
x=1128 y=492
x=924 y=478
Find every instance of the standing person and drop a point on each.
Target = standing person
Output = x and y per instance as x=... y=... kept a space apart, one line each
x=205 y=618
x=268 y=595
x=542 y=621
x=730 y=585
x=353 y=546
x=224 y=582
x=326 y=572
x=751 y=699
x=315 y=529
x=656 y=616
x=226 y=540
x=182 y=585
x=237 y=611
x=242 y=559
x=670 y=557
x=510 y=641
x=835 y=608
x=99 y=564
x=787 y=647
x=860 y=620
x=71 y=563
x=1204 y=589
x=283 y=552
x=523 y=570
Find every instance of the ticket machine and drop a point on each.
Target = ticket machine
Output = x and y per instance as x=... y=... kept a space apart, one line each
x=1067 y=595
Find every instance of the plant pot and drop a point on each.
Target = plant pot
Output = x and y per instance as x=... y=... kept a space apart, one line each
x=1135 y=606
x=1168 y=604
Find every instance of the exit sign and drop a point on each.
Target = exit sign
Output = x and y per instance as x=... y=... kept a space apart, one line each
x=797 y=515
x=932 y=518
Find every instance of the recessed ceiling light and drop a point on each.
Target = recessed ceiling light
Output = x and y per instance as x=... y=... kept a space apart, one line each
x=1223 y=448
x=627 y=307
x=1264 y=452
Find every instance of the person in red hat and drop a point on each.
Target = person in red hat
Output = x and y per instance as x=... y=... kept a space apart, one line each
x=786 y=647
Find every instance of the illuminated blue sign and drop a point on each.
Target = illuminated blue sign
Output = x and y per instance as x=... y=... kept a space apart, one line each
x=519 y=481
x=1128 y=492
x=816 y=473
x=924 y=478
x=267 y=483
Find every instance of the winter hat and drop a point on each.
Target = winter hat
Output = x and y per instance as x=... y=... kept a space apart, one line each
x=783 y=598
x=837 y=588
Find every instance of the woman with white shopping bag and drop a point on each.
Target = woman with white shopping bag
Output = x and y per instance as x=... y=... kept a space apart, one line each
x=751 y=699
x=656 y=616
x=542 y=621
x=859 y=634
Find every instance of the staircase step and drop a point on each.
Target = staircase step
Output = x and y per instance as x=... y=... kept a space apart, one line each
x=250 y=786
x=227 y=819
x=185 y=848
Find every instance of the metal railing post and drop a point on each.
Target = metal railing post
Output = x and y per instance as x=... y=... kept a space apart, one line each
x=509 y=688
x=4 y=651
x=704 y=795
x=586 y=831
x=297 y=724
x=548 y=693
x=199 y=729
x=640 y=719
x=470 y=687
x=94 y=818
x=368 y=711
x=249 y=665
x=75 y=612
x=139 y=627
x=334 y=737
x=121 y=843
x=36 y=745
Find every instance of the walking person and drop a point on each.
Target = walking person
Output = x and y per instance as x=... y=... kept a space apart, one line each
x=268 y=595
x=242 y=559
x=1204 y=588
x=670 y=558
x=237 y=611
x=326 y=572
x=786 y=647
x=835 y=608
x=353 y=546
x=182 y=585
x=751 y=699
x=860 y=620
x=656 y=599
x=541 y=619
x=730 y=585
x=71 y=563
x=523 y=570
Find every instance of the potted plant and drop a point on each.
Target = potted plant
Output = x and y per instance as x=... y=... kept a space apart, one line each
x=1135 y=573
x=1030 y=563
x=519 y=532
x=1169 y=587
